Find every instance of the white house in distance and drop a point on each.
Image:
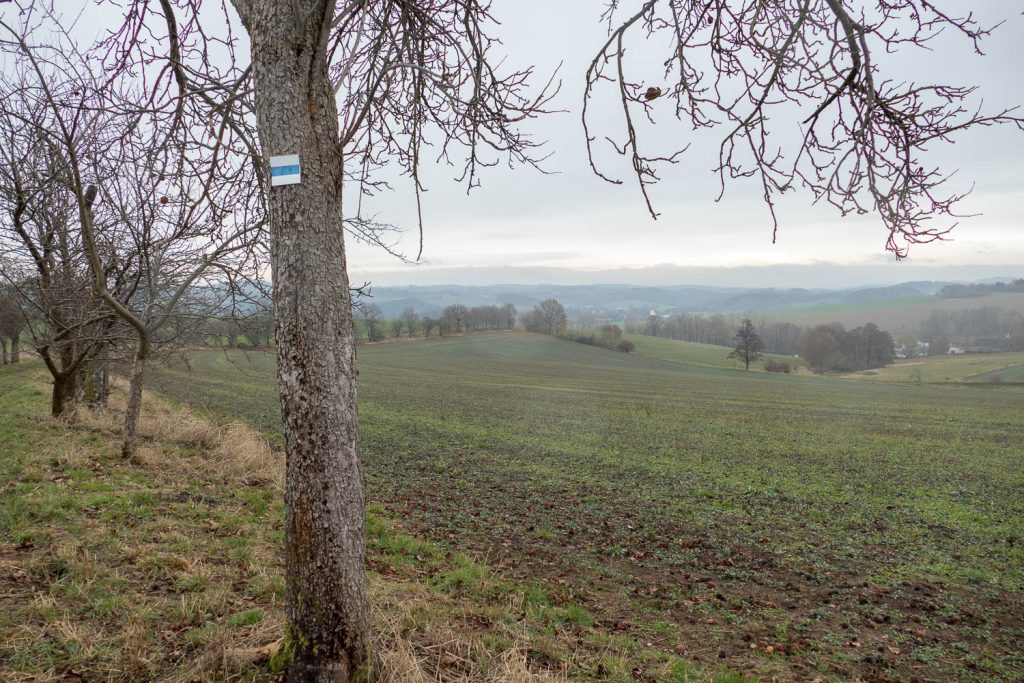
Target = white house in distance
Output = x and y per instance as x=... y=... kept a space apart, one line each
x=914 y=349
x=956 y=350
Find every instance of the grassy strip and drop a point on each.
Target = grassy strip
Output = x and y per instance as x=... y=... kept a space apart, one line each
x=978 y=367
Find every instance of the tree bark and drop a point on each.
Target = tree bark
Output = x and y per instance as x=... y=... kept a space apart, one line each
x=131 y=417
x=3 y=349
x=16 y=347
x=65 y=386
x=102 y=381
x=328 y=610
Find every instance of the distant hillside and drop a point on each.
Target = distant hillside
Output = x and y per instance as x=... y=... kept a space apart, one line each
x=903 y=304
x=979 y=289
x=898 y=316
x=618 y=301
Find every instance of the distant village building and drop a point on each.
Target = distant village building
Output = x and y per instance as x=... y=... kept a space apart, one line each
x=914 y=349
x=957 y=350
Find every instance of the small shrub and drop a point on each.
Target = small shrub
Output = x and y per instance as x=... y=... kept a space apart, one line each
x=772 y=365
x=625 y=346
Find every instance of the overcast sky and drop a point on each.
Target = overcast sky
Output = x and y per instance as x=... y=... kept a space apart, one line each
x=522 y=226
x=569 y=226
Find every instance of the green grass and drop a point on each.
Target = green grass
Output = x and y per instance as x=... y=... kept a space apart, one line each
x=112 y=572
x=733 y=501
x=692 y=353
x=1013 y=374
x=974 y=368
x=118 y=571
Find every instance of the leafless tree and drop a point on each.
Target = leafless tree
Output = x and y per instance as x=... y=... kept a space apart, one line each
x=429 y=325
x=508 y=312
x=184 y=209
x=490 y=317
x=410 y=318
x=653 y=323
x=362 y=79
x=453 y=318
x=749 y=66
x=159 y=193
x=547 y=317
x=45 y=265
x=373 y=320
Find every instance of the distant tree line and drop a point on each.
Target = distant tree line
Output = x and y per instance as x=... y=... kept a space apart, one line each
x=833 y=348
x=549 y=317
x=714 y=329
x=979 y=289
x=782 y=338
x=454 y=319
x=237 y=331
x=976 y=330
x=826 y=348
x=607 y=336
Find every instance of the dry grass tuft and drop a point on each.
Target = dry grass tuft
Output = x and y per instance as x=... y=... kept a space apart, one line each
x=243 y=455
x=98 y=420
x=233 y=454
x=422 y=637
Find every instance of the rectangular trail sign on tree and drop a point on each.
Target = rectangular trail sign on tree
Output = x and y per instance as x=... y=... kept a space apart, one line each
x=285 y=170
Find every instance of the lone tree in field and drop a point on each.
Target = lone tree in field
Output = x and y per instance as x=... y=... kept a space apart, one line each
x=748 y=345
x=373 y=81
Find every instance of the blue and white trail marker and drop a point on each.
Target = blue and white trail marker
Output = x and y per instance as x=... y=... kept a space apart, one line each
x=285 y=170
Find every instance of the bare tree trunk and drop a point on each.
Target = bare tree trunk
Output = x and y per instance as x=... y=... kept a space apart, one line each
x=65 y=385
x=102 y=381
x=3 y=349
x=16 y=347
x=328 y=610
x=94 y=376
x=131 y=415
x=89 y=392
x=65 y=382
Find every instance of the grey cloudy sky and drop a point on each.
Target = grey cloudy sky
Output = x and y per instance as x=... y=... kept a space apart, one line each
x=571 y=227
x=522 y=226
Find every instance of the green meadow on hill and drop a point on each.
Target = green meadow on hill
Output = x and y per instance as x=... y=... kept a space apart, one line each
x=977 y=368
x=691 y=353
x=899 y=316
x=782 y=525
